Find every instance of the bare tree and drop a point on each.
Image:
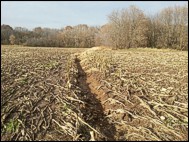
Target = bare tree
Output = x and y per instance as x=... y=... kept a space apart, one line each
x=169 y=28
x=128 y=28
x=12 y=39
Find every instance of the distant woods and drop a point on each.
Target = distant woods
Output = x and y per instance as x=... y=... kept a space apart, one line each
x=77 y=36
x=130 y=28
x=126 y=28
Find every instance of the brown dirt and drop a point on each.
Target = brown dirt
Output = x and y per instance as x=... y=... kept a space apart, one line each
x=93 y=110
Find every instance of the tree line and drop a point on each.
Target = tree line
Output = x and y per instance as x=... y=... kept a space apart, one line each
x=126 y=28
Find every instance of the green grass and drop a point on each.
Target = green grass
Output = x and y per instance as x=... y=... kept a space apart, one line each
x=11 y=126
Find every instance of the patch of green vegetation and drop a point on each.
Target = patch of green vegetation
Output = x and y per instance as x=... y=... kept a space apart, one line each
x=11 y=126
x=65 y=107
x=24 y=81
x=170 y=122
x=11 y=90
x=51 y=65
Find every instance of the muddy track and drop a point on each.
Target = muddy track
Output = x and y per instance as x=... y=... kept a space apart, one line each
x=93 y=112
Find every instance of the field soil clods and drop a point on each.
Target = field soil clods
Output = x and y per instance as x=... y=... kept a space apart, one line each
x=94 y=94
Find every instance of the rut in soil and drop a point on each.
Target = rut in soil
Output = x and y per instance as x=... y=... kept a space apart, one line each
x=93 y=112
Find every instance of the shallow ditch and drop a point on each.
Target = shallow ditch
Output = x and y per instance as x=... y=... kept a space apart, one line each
x=93 y=112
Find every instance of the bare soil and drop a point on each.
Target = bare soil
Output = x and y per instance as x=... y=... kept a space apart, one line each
x=93 y=112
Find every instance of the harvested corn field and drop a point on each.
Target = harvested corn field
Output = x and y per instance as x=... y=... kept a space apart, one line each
x=94 y=94
x=37 y=94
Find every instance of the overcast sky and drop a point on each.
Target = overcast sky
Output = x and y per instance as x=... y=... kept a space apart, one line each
x=58 y=14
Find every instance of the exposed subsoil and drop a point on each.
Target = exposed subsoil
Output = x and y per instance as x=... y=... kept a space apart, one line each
x=93 y=110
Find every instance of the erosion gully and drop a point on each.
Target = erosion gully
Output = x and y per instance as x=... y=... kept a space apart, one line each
x=93 y=110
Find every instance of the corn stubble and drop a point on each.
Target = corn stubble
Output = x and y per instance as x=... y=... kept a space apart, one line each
x=38 y=92
x=143 y=92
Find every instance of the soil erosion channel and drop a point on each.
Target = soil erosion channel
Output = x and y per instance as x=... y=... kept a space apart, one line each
x=93 y=110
